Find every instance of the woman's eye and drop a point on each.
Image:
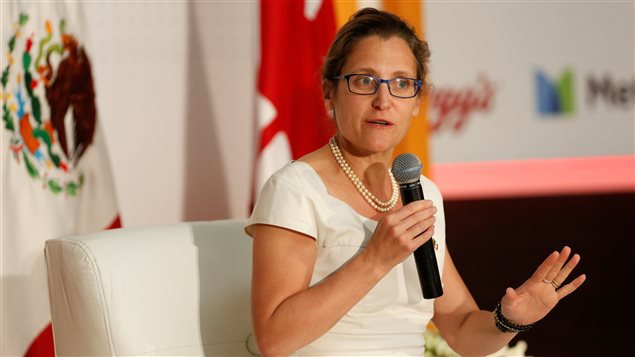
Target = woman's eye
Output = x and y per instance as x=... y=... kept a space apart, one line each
x=366 y=81
x=402 y=83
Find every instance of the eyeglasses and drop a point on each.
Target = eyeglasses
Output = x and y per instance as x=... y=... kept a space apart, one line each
x=366 y=84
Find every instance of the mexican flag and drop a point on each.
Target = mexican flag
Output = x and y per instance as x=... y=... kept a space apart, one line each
x=56 y=178
x=291 y=118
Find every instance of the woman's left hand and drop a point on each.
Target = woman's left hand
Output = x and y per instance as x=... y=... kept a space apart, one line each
x=537 y=296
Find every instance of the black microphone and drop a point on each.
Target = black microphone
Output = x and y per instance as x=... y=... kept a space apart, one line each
x=406 y=168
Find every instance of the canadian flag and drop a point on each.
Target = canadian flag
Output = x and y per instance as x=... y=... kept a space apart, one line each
x=291 y=118
x=56 y=178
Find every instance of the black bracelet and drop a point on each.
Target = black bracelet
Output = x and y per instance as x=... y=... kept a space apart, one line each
x=505 y=325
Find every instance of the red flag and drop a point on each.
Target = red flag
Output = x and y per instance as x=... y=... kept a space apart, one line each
x=292 y=121
x=56 y=178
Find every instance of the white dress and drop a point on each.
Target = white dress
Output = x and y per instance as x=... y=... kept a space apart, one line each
x=391 y=318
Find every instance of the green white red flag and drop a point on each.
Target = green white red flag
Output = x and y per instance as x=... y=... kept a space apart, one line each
x=56 y=177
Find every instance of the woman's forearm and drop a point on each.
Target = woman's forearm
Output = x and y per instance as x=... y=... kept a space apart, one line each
x=308 y=314
x=479 y=336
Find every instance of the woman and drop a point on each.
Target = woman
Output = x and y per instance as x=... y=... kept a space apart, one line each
x=333 y=271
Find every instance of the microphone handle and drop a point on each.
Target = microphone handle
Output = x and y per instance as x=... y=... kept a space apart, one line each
x=425 y=258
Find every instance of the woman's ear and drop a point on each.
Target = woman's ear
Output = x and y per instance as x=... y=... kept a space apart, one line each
x=327 y=89
x=331 y=113
x=417 y=107
x=328 y=107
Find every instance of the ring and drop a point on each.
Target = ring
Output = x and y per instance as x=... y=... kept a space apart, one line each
x=546 y=281
x=555 y=284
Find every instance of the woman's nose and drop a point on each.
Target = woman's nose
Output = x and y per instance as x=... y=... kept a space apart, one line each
x=382 y=97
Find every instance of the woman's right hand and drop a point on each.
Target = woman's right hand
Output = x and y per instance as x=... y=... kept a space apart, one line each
x=399 y=233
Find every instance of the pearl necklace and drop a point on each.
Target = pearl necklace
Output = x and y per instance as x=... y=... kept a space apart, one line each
x=373 y=201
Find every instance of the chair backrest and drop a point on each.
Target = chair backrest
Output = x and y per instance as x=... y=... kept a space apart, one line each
x=180 y=289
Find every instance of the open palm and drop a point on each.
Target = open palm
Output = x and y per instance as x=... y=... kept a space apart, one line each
x=538 y=295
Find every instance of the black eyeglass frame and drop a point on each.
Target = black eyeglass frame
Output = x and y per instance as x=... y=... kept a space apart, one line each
x=419 y=84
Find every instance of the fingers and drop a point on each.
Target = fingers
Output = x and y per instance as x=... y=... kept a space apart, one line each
x=422 y=238
x=419 y=220
x=400 y=232
x=412 y=208
x=552 y=267
x=562 y=275
x=411 y=220
x=556 y=270
x=541 y=272
x=571 y=287
x=420 y=227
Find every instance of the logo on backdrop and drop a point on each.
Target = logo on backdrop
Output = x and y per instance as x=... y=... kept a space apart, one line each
x=452 y=108
x=46 y=87
x=555 y=96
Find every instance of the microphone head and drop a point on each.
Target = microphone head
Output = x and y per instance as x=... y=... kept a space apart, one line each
x=406 y=168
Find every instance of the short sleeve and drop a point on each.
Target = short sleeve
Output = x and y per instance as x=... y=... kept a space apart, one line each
x=283 y=203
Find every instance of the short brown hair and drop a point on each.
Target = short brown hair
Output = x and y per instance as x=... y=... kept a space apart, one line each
x=368 y=22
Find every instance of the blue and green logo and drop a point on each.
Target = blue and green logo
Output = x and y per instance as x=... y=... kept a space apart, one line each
x=555 y=97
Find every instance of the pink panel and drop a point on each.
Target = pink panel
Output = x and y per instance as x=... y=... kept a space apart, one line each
x=537 y=177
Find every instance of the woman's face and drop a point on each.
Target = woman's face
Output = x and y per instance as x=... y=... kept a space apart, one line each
x=376 y=122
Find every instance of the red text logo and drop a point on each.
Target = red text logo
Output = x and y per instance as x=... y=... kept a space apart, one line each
x=450 y=108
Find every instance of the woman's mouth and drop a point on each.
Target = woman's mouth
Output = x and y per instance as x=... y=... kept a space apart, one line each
x=380 y=122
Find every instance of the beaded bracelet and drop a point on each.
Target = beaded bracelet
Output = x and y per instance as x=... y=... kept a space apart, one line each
x=505 y=325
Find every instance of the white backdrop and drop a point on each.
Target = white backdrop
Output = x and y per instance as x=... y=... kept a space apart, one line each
x=176 y=82
x=175 y=86
x=507 y=42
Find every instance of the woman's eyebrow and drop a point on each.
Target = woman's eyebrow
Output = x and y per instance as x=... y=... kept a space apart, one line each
x=368 y=70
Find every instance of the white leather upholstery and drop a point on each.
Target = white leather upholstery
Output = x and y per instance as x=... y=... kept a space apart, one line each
x=179 y=289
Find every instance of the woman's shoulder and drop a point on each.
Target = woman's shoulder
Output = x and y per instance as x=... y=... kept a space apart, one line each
x=293 y=172
x=288 y=199
x=294 y=177
x=317 y=159
x=314 y=166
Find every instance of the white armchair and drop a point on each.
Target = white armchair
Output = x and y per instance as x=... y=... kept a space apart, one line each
x=180 y=289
